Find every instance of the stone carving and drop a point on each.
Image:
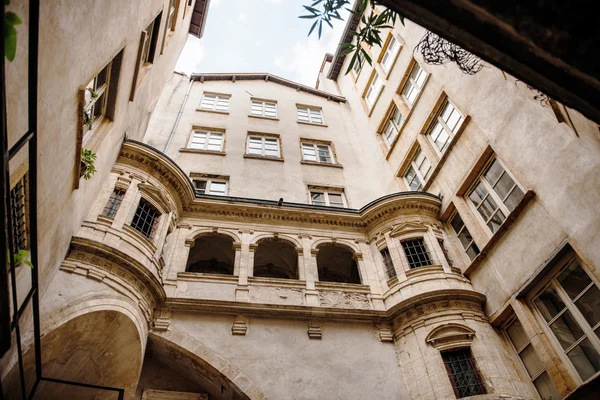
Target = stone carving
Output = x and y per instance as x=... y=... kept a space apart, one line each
x=240 y=325
x=162 y=320
x=358 y=301
x=314 y=330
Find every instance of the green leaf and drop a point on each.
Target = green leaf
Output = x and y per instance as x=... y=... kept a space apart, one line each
x=308 y=16
x=12 y=18
x=320 y=28
x=312 y=28
x=27 y=262
x=10 y=42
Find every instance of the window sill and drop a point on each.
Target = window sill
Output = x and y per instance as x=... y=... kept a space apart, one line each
x=424 y=270
x=510 y=220
x=267 y=158
x=262 y=117
x=140 y=237
x=105 y=220
x=212 y=111
x=200 y=151
x=312 y=123
x=321 y=164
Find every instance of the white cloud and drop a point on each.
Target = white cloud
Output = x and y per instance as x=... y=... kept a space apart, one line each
x=274 y=1
x=191 y=57
x=243 y=17
x=215 y=3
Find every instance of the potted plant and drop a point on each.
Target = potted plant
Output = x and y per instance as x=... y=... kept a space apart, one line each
x=88 y=168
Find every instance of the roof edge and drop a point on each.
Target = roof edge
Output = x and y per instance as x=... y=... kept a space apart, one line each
x=338 y=58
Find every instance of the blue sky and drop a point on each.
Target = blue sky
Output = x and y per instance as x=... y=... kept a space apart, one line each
x=259 y=36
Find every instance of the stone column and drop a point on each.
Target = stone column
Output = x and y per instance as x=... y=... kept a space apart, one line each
x=245 y=268
x=237 y=247
x=311 y=274
x=128 y=205
x=367 y=269
x=179 y=256
x=301 y=266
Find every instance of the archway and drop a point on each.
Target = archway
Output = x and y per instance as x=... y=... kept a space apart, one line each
x=276 y=259
x=212 y=253
x=337 y=264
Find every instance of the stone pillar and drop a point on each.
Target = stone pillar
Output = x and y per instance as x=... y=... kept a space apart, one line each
x=179 y=256
x=245 y=268
x=367 y=269
x=301 y=267
x=237 y=247
x=128 y=205
x=311 y=274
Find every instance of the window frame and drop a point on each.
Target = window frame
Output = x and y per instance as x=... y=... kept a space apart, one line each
x=461 y=230
x=390 y=121
x=370 y=88
x=209 y=181
x=392 y=55
x=500 y=206
x=326 y=192
x=438 y=119
x=113 y=203
x=155 y=219
x=475 y=370
x=308 y=110
x=410 y=80
x=217 y=96
x=263 y=138
x=569 y=307
x=208 y=133
x=388 y=263
x=315 y=148
x=263 y=108
x=409 y=257
x=416 y=169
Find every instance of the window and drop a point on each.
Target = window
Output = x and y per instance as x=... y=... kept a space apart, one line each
x=393 y=125
x=495 y=194
x=145 y=218
x=464 y=236
x=149 y=40
x=387 y=261
x=205 y=140
x=211 y=186
x=358 y=64
x=263 y=109
x=320 y=153
x=445 y=251
x=419 y=170
x=531 y=361
x=373 y=90
x=416 y=253
x=414 y=84
x=172 y=15
x=447 y=122
x=215 y=102
x=96 y=97
x=264 y=146
x=390 y=54
x=327 y=198
x=18 y=213
x=463 y=373
x=114 y=201
x=570 y=307
x=310 y=115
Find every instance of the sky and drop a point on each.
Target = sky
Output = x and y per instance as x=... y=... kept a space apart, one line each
x=260 y=36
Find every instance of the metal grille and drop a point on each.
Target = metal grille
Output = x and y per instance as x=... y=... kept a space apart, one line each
x=416 y=253
x=387 y=261
x=111 y=207
x=445 y=250
x=17 y=213
x=463 y=373
x=145 y=218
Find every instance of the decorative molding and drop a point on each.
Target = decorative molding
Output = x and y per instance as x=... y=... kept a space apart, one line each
x=240 y=325
x=385 y=334
x=408 y=228
x=162 y=320
x=449 y=336
x=314 y=330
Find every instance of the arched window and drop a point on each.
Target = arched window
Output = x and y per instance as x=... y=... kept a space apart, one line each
x=276 y=259
x=212 y=254
x=337 y=264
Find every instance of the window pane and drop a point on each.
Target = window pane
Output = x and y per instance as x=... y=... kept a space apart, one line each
x=589 y=305
x=504 y=185
x=478 y=194
x=335 y=199
x=532 y=362
x=416 y=253
x=497 y=220
x=566 y=330
x=200 y=186
x=549 y=303
x=585 y=359
x=517 y=335
x=317 y=198
x=324 y=154
x=493 y=172
x=387 y=261
x=514 y=198
x=546 y=388
x=473 y=251
x=218 y=188
x=308 y=151
x=574 y=279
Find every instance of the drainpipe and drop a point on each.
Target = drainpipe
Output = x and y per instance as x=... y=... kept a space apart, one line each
x=178 y=117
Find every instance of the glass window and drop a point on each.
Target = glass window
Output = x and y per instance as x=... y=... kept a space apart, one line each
x=145 y=218
x=211 y=186
x=570 y=305
x=204 y=140
x=414 y=84
x=360 y=61
x=416 y=253
x=393 y=125
x=374 y=89
x=332 y=199
x=495 y=195
x=321 y=153
x=464 y=236
x=390 y=54
x=263 y=146
x=215 y=102
x=463 y=373
x=419 y=170
x=263 y=109
x=310 y=115
x=531 y=361
x=388 y=263
x=114 y=201
x=445 y=126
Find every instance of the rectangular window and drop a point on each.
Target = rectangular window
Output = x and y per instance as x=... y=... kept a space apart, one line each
x=327 y=198
x=531 y=361
x=414 y=84
x=149 y=41
x=389 y=54
x=416 y=253
x=114 y=201
x=320 y=153
x=310 y=115
x=569 y=305
x=463 y=373
x=495 y=194
x=264 y=146
x=393 y=125
x=204 y=140
x=263 y=109
x=145 y=218
x=360 y=61
x=387 y=261
x=18 y=213
x=464 y=236
x=447 y=122
x=419 y=170
x=172 y=15
x=215 y=102
x=211 y=186
x=373 y=91
x=96 y=97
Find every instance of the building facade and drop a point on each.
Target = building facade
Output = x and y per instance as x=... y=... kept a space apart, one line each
x=400 y=231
